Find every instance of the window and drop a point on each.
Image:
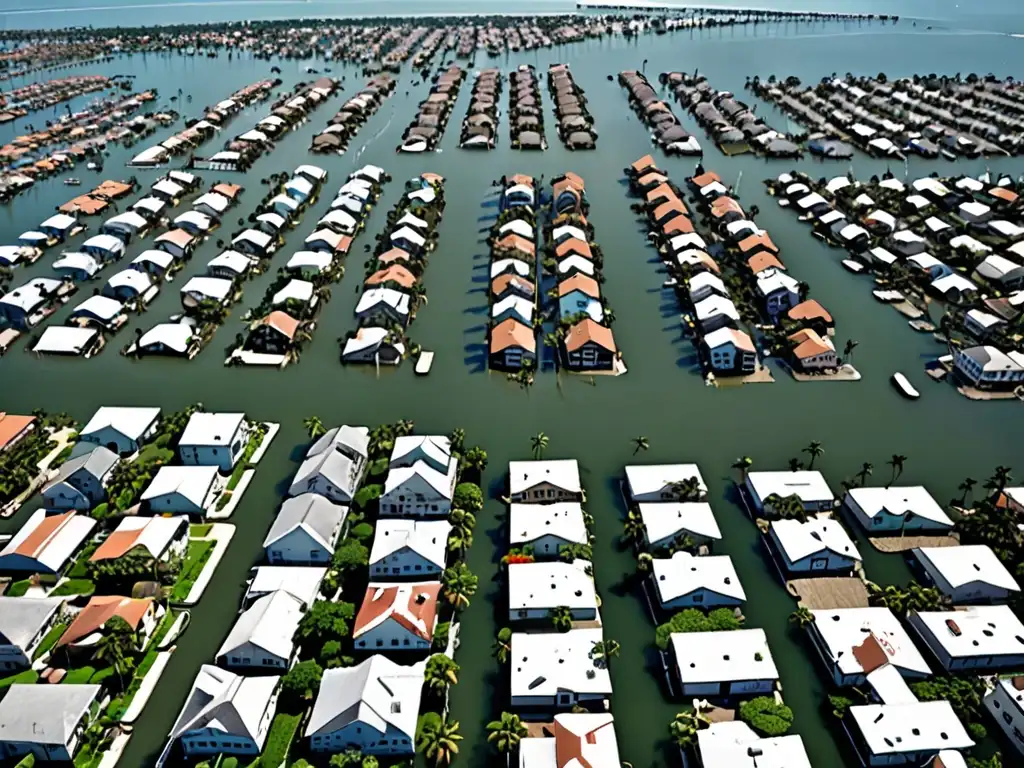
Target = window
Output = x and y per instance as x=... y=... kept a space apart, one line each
x=419 y=567
x=1007 y=718
x=380 y=643
x=405 y=641
x=394 y=641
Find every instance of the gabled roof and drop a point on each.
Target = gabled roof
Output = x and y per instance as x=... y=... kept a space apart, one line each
x=153 y=534
x=587 y=331
x=49 y=540
x=227 y=703
x=799 y=540
x=191 y=482
x=510 y=332
x=664 y=519
x=563 y=520
x=311 y=512
x=898 y=501
x=653 y=478
x=99 y=610
x=268 y=624
x=96 y=460
x=44 y=714
x=427 y=538
x=130 y=422
x=682 y=574
x=211 y=429
x=21 y=618
x=561 y=473
x=412 y=606
x=332 y=455
x=967 y=564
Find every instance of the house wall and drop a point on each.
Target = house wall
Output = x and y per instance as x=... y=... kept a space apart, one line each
x=209 y=742
x=591 y=357
x=991 y=662
x=823 y=561
x=64 y=497
x=699 y=598
x=252 y=657
x=115 y=441
x=819 y=362
x=365 y=738
x=535 y=613
x=405 y=562
x=723 y=357
x=564 y=700
x=13 y=657
x=884 y=522
x=1008 y=715
x=15 y=750
x=176 y=503
x=433 y=506
x=298 y=548
x=546 y=546
x=223 y=457
x=389 y=635
x=545 y=492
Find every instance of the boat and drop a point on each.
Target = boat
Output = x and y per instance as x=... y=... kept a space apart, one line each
x=887 y=297
x=854 y=266
x=948 y=155
x=922 y=325
x=423 y=363
x=904 y=386
x=72 y=182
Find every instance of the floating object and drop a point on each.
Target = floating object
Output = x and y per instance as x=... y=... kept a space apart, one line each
x=854 y=266
x=904 y=386
x=887 y=297
x=423 y=363
x=670 y=283
x=72 y=182
x=924 y=326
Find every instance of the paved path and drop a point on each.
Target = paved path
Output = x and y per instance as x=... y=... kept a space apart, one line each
x=146 y=689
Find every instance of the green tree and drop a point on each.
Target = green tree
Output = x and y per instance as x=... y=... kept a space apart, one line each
x=539 y=444
x=475 y=458
x=684 y=727
x=814 y=450
x=300 y=683
x=966 y=486
x=350 y=556
x=459 y=584
x=892 y=597
x=693 y=620
x=604 y=650
x=502 y=645
x=506 y=733
x=802 y=616
x=964 y=694
x=350 y=758
x=640 y=443
x=324 y=621
x=644 y=562
x=561 y=618
x=1001 y=478
x=923 y=598
x=896 y=462
x=687 y=490
x=767 y=716
x=743 y=464
x=865 y=471
x=570 y=552
x=463 y=523
x=633 y=531
x=457 y=439
x=116 y=646
x=469 y=497
x=314 y=427
x=439 y=740
x=439 y=673
x=840 y=704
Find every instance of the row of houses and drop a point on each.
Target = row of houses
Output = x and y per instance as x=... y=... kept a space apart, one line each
x=347 y=121
x=575 y=125
x=426 y=129
x=525 y=117
x=512 y=272
x=393 y=289
x=480 y=126
x=666 y=130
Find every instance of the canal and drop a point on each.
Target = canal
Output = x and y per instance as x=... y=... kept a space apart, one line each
x=662 y=397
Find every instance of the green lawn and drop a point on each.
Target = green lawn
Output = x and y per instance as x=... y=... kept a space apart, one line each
x=279 y=740
x=198 y=554
x=49 y=640
x=74 y=587
x=79 y=676
x=18 y=588
x=199 y=530
x=243 y=461
x=28 y=676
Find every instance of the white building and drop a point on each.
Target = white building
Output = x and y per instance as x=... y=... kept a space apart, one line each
x=122 y=430
x=665 y=522
x=24 y=622
x=967 y=574
x=45 y=544
x=578 y=740
x=730 y=351
x=557 y=670
x=45 y=721
x=897 y=510
x=685 y=581
x=534 y=589
x=262 y=636
x=807 y=485
x=213 y=439
x=986 y=638
x=421 y=478
x=301 y=582
x=540 y=482
x=156 y=538
x=904 y=734
x=81 y=481
x=371 y=707
x=397 y=617
x=987 y=368
x=409 y=548
x=334 y=465
x=226 y=713
x=1005 y=703
x=662 y=482
x=305 y=531
x=183 y=490
x=734 y=744
x=853 y=642
x=723 y=664
x=820 y=545
x=547 y=527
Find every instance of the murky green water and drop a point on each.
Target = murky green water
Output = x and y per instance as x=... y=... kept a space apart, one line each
x=662 y=397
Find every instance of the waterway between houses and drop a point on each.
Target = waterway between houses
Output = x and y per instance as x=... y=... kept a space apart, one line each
x=662 y=397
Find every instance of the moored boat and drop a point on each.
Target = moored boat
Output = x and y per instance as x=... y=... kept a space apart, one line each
x=72 y=182
x=854 y=266
x=904 y=386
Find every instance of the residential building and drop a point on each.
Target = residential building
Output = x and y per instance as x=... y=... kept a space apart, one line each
x=723 y=664
x=904 y=734
x=967 y=574
x=14 y=428
x=512 y=344
x=409 y=548
x=214 y=439
x=45 y=721
x=897 y=510
x=334 y=465
x=729 y=351
x=122 y=430
x=808 y=486
x=301 y=582
x=734 y=744
x=665 y=523
x=779 y=292
x=820 y=545
x=663 y=482
x=684 y=581
x=158 y=539
x=557 y=670
x=540 y=482
x=576 y=740
x=982 y=638
x=535 y=589
x=419 y=490
x=716 y=312
x=812 y=352
x=262 y=638
x=305 y=531
x=987 y=368
x=1005 y=702
x=590 y=346
x=226 y=714
x=546 y=528
x=433 y=450
x=397 y=617
x=89 y=624
x=24 y=622
x=854 y=642
x=45 y=544
x=371 y=707
x=81 y=481
x=183 y=490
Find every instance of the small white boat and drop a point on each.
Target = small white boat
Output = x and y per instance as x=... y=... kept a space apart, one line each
x=423 y=363
x=854 y=266
x=887 y=297
x=904 y=386
x=72 y=182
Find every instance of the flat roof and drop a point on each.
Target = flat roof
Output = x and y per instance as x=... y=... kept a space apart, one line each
x=211 y=429
x=561 y=473
x=653 y=478
x=716 y=657
x=978 y=630
x=544 y=663
x=663 y=519
x=684 y=573
x=734 y=744
x=913 y=499
x=967 y=564
x=892 y=729
x=563 y=520
x=549 y=585
x=845 y=630
x=800 y=539
x=808 y=485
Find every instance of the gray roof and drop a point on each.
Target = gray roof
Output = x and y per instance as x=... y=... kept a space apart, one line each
x=332 y=456
x=311 y=511
x=21 y=618
x=44 y=714
x=97 y=460
x=225 y=702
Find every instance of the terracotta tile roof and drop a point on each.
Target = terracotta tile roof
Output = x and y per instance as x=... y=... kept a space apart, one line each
x=178 y=237
x=809 y=310
x=705 y=178
x=522 y=178
x=512 y=333
x=575 y=179
x=503 y=282
x=116 y=544
x=517 y=242
x=230 y=191
x=580 y=282
x=413 y=606
x=587 y=330
x=282 y=322
x=870 y=654
x=395 y=273
x=753 y=241
x=573 y=245
x=43 y=534
x=662 y=190
x=808 y=343
x=679 y=225
x=112 y=189
x=644 y=163
x=100 y=610
x=759 y=262
x=394 y=254
x=724 y=205
x=654 y=177
x=12 y=426
x=84 y=204
x=432 y=178
x=1004 y=194
x=670 y=205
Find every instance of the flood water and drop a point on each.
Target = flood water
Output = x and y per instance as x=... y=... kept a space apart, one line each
x=662 y=397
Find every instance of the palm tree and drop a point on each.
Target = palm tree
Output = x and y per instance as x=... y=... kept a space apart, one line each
x=633 y=529
x=802 y=616
x=865 y=471
x=644 y=562
x=848 y=349
x=475 y=458
x=439 y=673
x=604 y=650
x=795 y=465
x=459 y=585
x=439 y=740
x=561 y=618
x=502 y=645
x=686 y=490
x=999 y=480
x=966 y=486
x=684 y=727
x=457 y=439
x=814 y=450
x=923 y=598
x=314 y=427
x=891 y=596
x=896 y=462
x=116 y=646
x=505 y=734
x=462 y=524
x=743 y=463
x=539 y=444
x=640 y=444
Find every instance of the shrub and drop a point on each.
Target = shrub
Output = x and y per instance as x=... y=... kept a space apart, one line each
x=301 y=683
x=440 y=641
x=469 y=497
x=692 y=620
x=766 y=716
x=363 y=531
x=977 y=731
x=74 y=587
x=367 y=494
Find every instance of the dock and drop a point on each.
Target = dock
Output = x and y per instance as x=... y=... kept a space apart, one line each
x=423 y=363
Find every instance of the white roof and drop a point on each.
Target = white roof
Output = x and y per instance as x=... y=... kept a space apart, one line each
x=130 y=218
x=191 y=482
x=131 y=278
x=300 y=184
x=935 y=224
x=268 y=624
x=214 y=201
x=808 y=485
x=852 y=231
x=299 y=581
x=549 y=585
x=233 y=260
x=284 y=200
x=734 y=744
x=519 y=266
x=295 y=290
x=367 y=338
x=666 y=519
x=892 y=183
x=954 y=280
x=57 y=546
x=226 y=703
x=151 y=204
x=160 y=258
x=830 y=217
x=259 y=239
x=980 y=630
x=150 y=155
x=683 y=574
x=925 y=261
x=688 y=240
x=544 y=663
x=707 y=279
x=928 y=184
x=77 y=260
x=653 y=478
x=974 y=208
x=561 y=473
x=970 y=243
x=716 y=305
x=64 y=340
x=731 y=336
x=103 y=308
x=771 y=280
x=169 y=188
x=130 y=422
x=918 y=201
x=1006 y=228
x=811 y=200
x=563 y=520
x=427 y=538
x=717 y=657
x=883 y=255
x=971 y=185
x=409 y=234
x=318 y=259
x=522 y=228
x=891 y=729
x=522 y=307
x=373 y=171
x=564 y=229
x=59 y=221
x=12 y=254
x=389 y=296
x=837 y=183
x=225 y=156
x=211 y=429
x=218 y=288
x=520 y=189
x=253 y=135
x=967 y=564
x=843 y=630
x=341 y=218
x=900 y=500
x=800 y=540
x=29 y=296
x=107 y=243
x=195 y=218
